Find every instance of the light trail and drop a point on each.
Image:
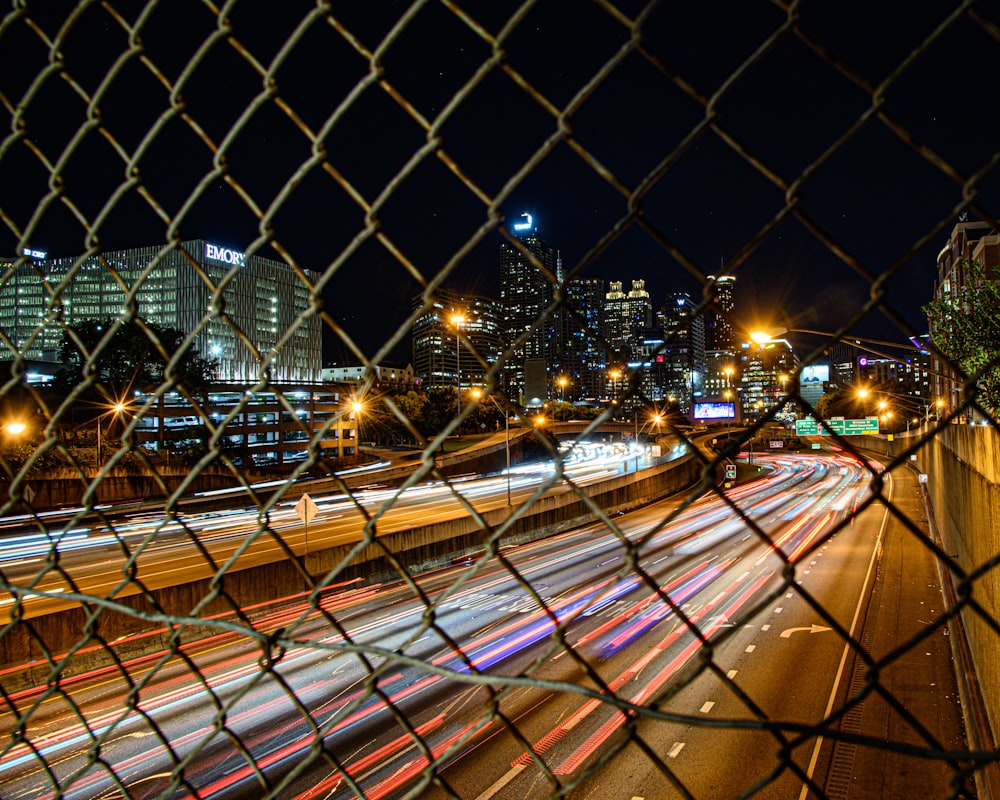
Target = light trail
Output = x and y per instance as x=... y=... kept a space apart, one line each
x=495 y=622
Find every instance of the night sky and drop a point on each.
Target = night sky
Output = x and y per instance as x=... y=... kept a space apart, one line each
x=650 y=122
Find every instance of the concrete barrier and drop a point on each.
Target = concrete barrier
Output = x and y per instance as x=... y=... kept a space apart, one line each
x=962 y=468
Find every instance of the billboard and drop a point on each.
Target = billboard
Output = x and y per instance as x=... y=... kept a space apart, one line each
x=710 y=409
x=815 y=373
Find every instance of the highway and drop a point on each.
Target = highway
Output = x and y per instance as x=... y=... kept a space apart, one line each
x=100 y=559
x=385 y=677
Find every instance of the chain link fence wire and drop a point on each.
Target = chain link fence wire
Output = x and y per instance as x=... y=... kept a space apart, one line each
x=440 y=640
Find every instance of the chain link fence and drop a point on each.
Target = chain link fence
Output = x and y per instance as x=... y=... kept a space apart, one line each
x=196 y=625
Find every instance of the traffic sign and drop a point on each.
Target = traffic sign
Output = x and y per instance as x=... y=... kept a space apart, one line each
x=730 y=472
x=837 y=425
x=306 y=509
x=806 y=427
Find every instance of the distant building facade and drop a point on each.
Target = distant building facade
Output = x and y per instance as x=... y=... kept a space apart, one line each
x=583 y=360
x=386 y=375
x=627 y=316
x=260 y=430
x=526 y=295
x=969 y=242
x=765 y=370
x=260 y=298
x=721 y=346
x=454 y=337
x=677 y=370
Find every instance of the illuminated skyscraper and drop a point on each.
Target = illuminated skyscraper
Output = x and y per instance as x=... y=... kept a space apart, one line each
x=680 y=363
x=721 y=346
x=440 y=357
x=526 y=295
x=583 y=361
x=627 y=316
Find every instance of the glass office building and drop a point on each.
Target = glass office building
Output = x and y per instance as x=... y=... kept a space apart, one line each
x=233 y=303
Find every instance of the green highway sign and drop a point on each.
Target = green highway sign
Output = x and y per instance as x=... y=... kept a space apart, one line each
x=837 y=425
x=861 y=427
x=806 y=427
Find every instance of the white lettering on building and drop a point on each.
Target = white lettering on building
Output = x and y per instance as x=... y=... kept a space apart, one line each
x=224 y=254
x=34 y=253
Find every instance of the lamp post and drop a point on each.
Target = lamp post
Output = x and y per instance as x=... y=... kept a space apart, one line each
x=116 y=409
x=563 y=380
x=457 y=320
x=937 y=405
x=477 y=393
x=635 y=417
x=357 y=407
x=728 y=395
x=614 y=374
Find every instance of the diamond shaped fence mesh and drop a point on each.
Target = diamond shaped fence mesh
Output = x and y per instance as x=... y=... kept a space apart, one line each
x=525 y=538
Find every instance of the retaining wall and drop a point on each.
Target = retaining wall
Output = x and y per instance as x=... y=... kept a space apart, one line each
x=66 y=487
x=962 y=464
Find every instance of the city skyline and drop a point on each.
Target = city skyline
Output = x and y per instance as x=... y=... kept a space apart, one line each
x=874 y=197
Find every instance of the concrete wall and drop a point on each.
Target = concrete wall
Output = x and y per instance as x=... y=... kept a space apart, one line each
x=66 y=487
x=142 y=630
x=962 y=464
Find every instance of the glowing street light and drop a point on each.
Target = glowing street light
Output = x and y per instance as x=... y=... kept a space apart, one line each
x=115 y=411
x=16 y=428
x=614 y=374
x=563 y=380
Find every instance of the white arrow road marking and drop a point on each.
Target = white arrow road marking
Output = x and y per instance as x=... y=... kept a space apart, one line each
x=814 y=628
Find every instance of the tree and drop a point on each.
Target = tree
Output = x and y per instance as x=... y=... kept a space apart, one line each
x=439 y=410
x=412 y=405
x=965 y=327
x=129 y=359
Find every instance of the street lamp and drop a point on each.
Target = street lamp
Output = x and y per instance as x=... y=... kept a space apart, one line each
x=635 y=443
x=563 y=380
x=457 y=320
x=114 y=411
x=16 y=428
x=614 y=374
x=357 y=407
x=937 y=405
x=477 y=393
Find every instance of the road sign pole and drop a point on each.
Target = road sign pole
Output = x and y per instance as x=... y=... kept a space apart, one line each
x=305 y=510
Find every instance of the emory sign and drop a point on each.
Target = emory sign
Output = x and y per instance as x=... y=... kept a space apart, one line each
x=224 y=254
